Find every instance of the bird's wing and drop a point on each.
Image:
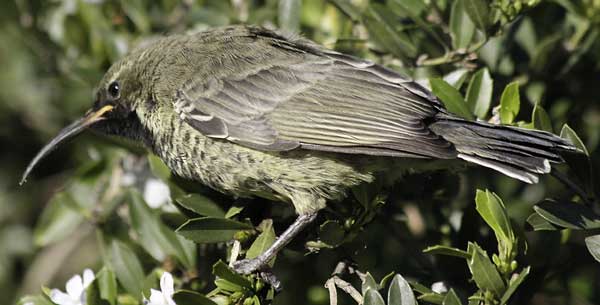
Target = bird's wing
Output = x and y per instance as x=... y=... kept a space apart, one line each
x=315 y=99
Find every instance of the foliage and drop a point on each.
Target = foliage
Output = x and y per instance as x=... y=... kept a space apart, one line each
x=527 y=63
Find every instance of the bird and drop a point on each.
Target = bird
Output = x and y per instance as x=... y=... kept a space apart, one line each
x=254 y=112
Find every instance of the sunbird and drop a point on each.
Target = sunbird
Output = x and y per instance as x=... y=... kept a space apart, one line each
x=250 y=111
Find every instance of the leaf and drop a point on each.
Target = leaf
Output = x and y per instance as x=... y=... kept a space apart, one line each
x=289 y=15
x=593 y=245
x=568 y=215
x=478 y=11
x=445 y=250
x=92 y=295
x=451 y=298
x=58 y=220
x=381 y=29
x=484 y=272
x=201 y=205
x=347 y=8
x=224 y=272
x=188 y=297
x=156 y=238
x=35 y=300
x=461 y=26
x=456 y=78
x=540 y=118
x=568 y=133
x=263 y=241
x=210 y=229
x=233 y=211
x=452 y=99
x=368 y=283
x=510 y=103
x=492 y=210
x=159 y=168
x=538 y=223
x=514 y=284
x=137 y=13
x=107 y=284
x=400 y=292
x=127 y=268
x=479 y=93
x=372 y=297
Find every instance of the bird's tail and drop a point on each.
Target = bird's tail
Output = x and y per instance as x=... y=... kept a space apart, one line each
x=516 y=152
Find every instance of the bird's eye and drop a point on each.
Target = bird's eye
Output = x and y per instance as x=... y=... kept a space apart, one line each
x=114 y=90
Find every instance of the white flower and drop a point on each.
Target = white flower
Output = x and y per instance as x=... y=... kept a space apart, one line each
x=75 y=290
x=156 y=193
x=165 y=295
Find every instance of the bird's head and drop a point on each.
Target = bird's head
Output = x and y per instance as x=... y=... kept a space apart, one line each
x=113 y=111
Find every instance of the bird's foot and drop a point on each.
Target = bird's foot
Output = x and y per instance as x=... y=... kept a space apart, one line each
x=248 y=266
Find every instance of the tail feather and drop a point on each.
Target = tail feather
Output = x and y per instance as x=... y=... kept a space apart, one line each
x=516 y=152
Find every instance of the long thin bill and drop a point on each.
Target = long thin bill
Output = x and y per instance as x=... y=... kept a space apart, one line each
x=65 y=134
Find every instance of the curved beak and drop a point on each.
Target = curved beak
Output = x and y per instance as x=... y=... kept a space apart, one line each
x=65 y=134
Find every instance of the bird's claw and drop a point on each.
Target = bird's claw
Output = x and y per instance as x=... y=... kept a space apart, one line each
x=248 y=266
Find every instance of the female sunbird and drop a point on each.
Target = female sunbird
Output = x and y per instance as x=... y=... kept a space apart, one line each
x=252 y=112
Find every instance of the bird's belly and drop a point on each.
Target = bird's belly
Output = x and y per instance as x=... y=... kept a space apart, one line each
x=305 y=178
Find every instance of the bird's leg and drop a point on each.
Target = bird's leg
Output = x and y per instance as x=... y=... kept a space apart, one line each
x=248 y=266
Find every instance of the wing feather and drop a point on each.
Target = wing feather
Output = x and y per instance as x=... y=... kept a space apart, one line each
x=299 y=96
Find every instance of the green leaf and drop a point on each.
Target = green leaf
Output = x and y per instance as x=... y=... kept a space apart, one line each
x=461 y=26
x=452 y=99
x=188 y=297
x=451 y=298
x=221 y=270
x=484 y=272
x=432 y=297
x=540 y=118
x=514 y=284
x=492 y=210
x=372 y=297
x=263 y=241
x=478 y=11
x=456 y=78
x=568 y=215
x=201 y=205
x=593 y=245
x=137 y=13
x=479 y=93
x=381 y=28
x=538 y=223
x=445 y=250
x=568 y=133
x=58 y=220
x=510 y=103
x=156 y=238
x=289 y=15
x=159 y=168
x=128 y=268
x=35 y=300
x=233 y=211
x=210 y=229
x=92 y=295
x=107 y=284
x=369 y=283
x=348 y=8
x=400 y=292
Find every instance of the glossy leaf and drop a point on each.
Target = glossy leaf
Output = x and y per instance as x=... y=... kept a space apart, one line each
x=478 y=11
x=451 y=98
x=540 y=119
x=210 y=229
x=451 y=298
x=484 y=272
x=479 y=93
x=445 y=250
x=510 y=103
x=568 y=133
x=201 y=205
x=456 y=78
x=400 y=292
x=593 y=245
x=224 y=272
x=538 y=223
x=492 y=210
x=369 y=282
x=372 y=297
x=188 y=297
x=128 y=268
x=514 y=284
x=264 y=240
x=568 y=214
x=461 y=26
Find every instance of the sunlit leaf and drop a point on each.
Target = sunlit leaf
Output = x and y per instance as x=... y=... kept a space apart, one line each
x=510 y=103
x=593 y=245
x=372 y=297
x=514 y=284
x=369 y=282
x=479 y=93
x=451 y=298
x=451 y=98
x=461 y=26
x=540 y=118
x=484 y=272
x=400 y=292
x=478 y=11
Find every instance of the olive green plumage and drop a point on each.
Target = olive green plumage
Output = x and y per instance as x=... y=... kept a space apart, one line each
x=251 y=112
